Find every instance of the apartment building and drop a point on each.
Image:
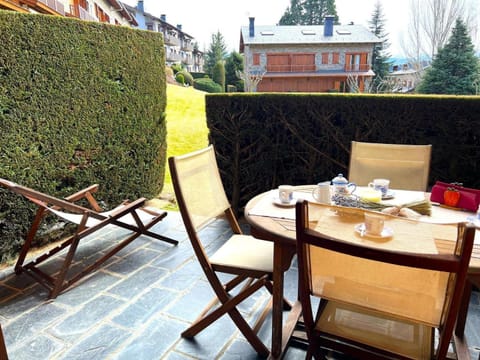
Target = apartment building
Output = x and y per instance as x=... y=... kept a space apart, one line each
x=108 y=11
x=179 y=46
x=316 y=58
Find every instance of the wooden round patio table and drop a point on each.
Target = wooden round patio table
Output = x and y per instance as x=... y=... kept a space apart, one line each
x=281 y=231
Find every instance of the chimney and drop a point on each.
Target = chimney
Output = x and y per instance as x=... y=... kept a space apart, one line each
x=328 y=25
x=140 y=7
x=179 y=27
x=163 y=17
x=251 y=27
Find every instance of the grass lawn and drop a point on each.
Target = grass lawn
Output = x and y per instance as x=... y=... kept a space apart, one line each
x=186 y=127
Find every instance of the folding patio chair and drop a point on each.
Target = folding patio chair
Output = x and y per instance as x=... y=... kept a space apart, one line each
x=201 y=198
x=406 y=166
x=378 y=300
x=3 y=348
x=132 y=216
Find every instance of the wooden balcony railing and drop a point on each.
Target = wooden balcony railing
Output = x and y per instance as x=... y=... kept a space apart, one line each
x=357 y=67
x=291 y=68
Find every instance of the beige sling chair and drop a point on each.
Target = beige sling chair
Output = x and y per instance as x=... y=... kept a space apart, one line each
x=379 y=298
x=201 y=198
x=406 y=166
x=131 y=216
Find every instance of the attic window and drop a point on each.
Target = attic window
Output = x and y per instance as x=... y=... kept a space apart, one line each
x=308 y=32
x=267 y=33
x=343 y=32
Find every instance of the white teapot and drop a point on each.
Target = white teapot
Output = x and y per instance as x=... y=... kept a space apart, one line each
x=341 y=186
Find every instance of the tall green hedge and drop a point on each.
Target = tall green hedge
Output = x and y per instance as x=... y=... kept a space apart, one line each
x=80 y=103
x=264 y=140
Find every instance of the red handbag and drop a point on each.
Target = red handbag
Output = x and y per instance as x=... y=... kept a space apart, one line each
x=455 y=195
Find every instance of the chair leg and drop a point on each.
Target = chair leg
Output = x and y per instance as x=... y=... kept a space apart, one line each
x=228 y=306
x=3 y=348
x=28 y=239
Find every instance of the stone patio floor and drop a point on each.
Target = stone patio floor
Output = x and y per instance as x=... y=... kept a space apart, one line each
x=137 y=304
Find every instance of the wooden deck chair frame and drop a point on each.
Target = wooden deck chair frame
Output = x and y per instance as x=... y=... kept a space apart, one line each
x=406 y=166
x=3 y=347
x=129 y=215
x=230 y=258
x=456 y=264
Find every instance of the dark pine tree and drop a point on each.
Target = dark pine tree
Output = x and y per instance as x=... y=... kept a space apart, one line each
x=293 y=14
x=380 y=56
x=308 y=12
x=215 y=53
x=455 y=69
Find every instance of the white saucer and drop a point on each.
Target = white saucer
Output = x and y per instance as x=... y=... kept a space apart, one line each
x=389 y=195
x=278 y=202
x=386 y=232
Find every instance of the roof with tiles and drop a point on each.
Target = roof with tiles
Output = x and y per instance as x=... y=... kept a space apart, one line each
x=307 y=34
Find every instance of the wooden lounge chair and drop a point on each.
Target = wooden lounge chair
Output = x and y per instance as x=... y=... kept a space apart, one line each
x=201 y=198
x=131 y=216
x=377 y=302
x=406 y=166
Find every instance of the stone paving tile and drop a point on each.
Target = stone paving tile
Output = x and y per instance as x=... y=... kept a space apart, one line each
x=46 y=346
x=137 y=282
x=184 y=277
x=145 y=307
x=85 y=318
x=189 y=306
x=175 y=257
x=211 y=342
x=24 y=302
x=133 y=261
x=100 y=344
x=88 y=288
x=30 y=323
x=154 y=341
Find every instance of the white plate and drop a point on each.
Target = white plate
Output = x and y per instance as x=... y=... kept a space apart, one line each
x=389 y=195
x=386 y=232
x=278 y=202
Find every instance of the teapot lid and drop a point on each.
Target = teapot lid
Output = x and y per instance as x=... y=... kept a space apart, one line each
x=340 y=179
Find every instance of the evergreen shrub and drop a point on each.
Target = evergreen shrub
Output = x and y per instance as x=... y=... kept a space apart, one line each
x=80 y=103
x=207 y=85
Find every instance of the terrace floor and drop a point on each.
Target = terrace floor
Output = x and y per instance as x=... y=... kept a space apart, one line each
x=137 y=305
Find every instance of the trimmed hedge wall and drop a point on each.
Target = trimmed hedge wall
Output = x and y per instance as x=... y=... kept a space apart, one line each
x=80 y=103
x=264 y=140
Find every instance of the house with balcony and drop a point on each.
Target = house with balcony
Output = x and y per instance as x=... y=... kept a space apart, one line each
x=107 y=11
x=315 y=58
x=179 y=46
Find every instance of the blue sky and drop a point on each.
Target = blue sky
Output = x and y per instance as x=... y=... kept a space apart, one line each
x=201 y=19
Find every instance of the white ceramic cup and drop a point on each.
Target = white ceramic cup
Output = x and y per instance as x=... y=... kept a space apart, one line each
x=285 y=193
x=321 y=193
x=380 y=184
x=374 y=224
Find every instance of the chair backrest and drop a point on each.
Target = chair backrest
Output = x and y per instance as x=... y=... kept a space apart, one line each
x=198 y=187
x=406 y=166
x=417 y=284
